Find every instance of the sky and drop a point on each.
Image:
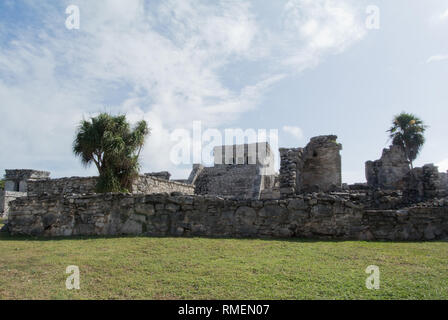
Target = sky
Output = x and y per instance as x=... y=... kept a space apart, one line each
x=302 y=67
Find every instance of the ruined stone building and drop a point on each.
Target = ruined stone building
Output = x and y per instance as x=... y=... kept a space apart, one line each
x=23 y=183
x=247 y=172
x=393 y=172
x=389 y=171
x=16 y=186
x=242 y=196
x=317 y=167
x=240 y=171
x=17 y=180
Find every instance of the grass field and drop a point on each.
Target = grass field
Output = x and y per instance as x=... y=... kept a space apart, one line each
x=201 y=268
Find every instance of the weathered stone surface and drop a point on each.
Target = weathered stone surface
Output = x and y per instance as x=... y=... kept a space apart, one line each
x=145 y=184
x=5 y=198
x=291 y=163
x=317 y=216
x=322 y=164
x=424 y=183
x=240 y=171
x=37 y=183
x=16 y=180
x=197 y=169
x=164 y=175
x=150 y=184
x=73 y=185
x=389 y=171
x=443 y=178
x=315 y=168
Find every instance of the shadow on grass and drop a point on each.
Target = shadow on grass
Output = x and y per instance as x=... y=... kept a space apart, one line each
x=7 y=237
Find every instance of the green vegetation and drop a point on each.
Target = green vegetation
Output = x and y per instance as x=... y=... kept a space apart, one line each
x=201 y=268
x=407 y=132
x=110 y=143
x=2 y=184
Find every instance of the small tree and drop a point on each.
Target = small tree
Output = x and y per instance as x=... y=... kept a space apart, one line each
x=2 y=184
x=110 y=143
x=407 y=132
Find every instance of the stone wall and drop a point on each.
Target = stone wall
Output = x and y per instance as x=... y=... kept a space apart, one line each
x=25 y=174
x=17 y=180
x=233 y=181
x=390 y=171
x=165 y=175
x=5 y=198
x=315 y=217
x=271 y=188
x=243 y=171
x=322 y=168
x=443 y=177
x=148 y=184
x=315 y=168
x=195 y=173
x=424 y=183
x=291 y=164
x=80 y=185
x=73 y=185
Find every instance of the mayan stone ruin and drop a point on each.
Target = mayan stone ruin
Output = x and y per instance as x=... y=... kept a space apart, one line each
x=317 y=167
x=37 y=183
x=239 y=171
x=390 y=171
x=242 y=195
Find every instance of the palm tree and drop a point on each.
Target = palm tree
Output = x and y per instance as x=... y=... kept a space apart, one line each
x=407 y=132
x=110 y=143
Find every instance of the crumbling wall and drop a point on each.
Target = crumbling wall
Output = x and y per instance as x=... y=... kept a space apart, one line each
x=233 y=181
x=424 y=183
x=6 y=197
x=73 y=185
x=390 y=171
x=197 y=169
x=164 y=175
x=291 y=164
x=148 y=184
x=322 y=164
x=314 y=217
x=17 y=180
x=315 y=168
x=2 y=203
x=443 y=177
x=79 y=185
x=240 y=171
x=270 y=188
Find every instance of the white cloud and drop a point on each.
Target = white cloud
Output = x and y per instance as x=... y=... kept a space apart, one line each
x=163 y=64
x=444 y=15
x=437 y=58
x=296 y=132
x=443 y=165
x=438 y=18
x=315 y=28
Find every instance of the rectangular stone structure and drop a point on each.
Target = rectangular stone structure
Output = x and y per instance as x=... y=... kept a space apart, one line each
x=240 y=171
x=315 y=168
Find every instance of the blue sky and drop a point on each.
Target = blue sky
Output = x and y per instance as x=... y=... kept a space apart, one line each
x=303 y=67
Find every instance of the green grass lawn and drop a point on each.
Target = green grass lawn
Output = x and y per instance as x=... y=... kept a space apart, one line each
x=201 y=268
